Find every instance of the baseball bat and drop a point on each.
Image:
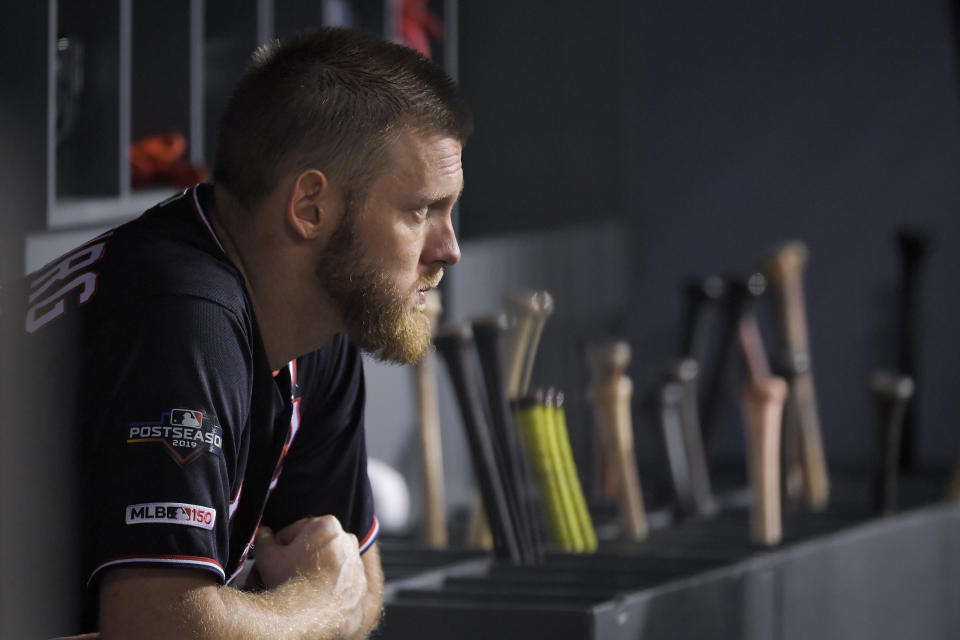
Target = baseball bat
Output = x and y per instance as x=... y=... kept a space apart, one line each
x=703 y=502
x=487 y=334
x=717 y=378
x=953 y=489
x=763 y=409
x=699 y=296
x=915 y=246
x=529 y=312
x=434 y=532
x=891 y=393
x=522 y=311
x=543 y=310
x=762 y=400
x=784 y=272
x=454 y=342
x=610 y=395
x=671 y=418
x=580 y=514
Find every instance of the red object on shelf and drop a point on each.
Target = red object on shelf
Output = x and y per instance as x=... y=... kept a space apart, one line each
x=158 y=160
x=418 y=24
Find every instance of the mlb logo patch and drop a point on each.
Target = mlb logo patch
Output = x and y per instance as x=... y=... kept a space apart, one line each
x=186 y=418
x=184 y=433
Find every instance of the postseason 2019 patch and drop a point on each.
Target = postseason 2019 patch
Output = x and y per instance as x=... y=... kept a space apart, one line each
x=184 y=433
x=191 y=515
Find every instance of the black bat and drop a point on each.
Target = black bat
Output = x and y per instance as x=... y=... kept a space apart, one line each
x=454 y=343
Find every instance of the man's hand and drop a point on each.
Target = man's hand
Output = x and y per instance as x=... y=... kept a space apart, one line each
x=317 y=550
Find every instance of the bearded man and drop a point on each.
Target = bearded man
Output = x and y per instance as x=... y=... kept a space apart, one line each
x=208 y=353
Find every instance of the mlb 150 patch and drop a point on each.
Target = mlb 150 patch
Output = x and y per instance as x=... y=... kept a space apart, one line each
x=184 y=433
x=191 y=515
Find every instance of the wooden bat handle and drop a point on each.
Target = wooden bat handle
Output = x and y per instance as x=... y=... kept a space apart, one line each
x=631 y=498
x=816 y=483
x=522 y=313
x=544 y=309
x=611 y=400
x=763 y=408
x=529 y=312
x=435 y=523
x=784 y=272
x=606 y=361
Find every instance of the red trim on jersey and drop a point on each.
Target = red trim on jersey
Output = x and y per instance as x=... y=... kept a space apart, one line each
x=371 y=535
x=294 y=424
x=191 y=561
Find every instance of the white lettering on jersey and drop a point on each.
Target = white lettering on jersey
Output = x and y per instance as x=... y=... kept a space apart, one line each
x=191 y=515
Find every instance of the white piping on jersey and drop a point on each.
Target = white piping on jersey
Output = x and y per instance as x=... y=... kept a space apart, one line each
x=205 y=219
x=194 y=561
x=233 y=503
x=294 y=420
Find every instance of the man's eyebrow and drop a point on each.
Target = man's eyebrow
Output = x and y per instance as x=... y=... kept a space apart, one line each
x=435 y=197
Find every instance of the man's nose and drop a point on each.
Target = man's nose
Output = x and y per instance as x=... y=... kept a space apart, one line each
x=443 y=248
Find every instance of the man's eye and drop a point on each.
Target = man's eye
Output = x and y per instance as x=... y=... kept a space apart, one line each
x=421 y=213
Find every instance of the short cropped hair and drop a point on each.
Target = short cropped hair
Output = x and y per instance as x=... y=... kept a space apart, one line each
x=330 y=99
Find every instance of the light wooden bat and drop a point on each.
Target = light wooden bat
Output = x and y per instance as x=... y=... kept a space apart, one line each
x=610 y=395
x=434 y=532
x=762 y=398
x=528 y=312
x=784 y=272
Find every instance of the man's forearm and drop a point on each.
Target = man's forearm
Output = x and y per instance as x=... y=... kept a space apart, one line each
x=139 y=603
x=292 y=610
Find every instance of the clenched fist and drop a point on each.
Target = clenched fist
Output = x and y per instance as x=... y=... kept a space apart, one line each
x=319 y=551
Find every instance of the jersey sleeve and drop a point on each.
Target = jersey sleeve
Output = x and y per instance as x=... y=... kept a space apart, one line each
x=169 y=431
x=325 y=470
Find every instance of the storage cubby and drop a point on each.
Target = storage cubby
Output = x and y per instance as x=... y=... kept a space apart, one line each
x=135 y=68
x=89 y=156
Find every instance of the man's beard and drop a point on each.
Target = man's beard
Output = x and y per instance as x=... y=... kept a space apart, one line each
x=379 y=318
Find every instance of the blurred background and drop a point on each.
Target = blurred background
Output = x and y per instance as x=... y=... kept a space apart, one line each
x=621 y=147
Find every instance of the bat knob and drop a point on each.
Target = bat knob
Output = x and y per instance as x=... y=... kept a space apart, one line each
x=491 y=325
x=756 y=284
x=609 y=359
x=785 y=260
x=915 y=243
x=791 y=365
x=704 y=289
x=543 y=302
x=892 y=385
x=684 y=370
x=456 y=334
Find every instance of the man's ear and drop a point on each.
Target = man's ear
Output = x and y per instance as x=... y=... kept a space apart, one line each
x=309 y=194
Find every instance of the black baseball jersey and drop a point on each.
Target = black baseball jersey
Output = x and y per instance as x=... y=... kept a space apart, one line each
x=147 y=338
